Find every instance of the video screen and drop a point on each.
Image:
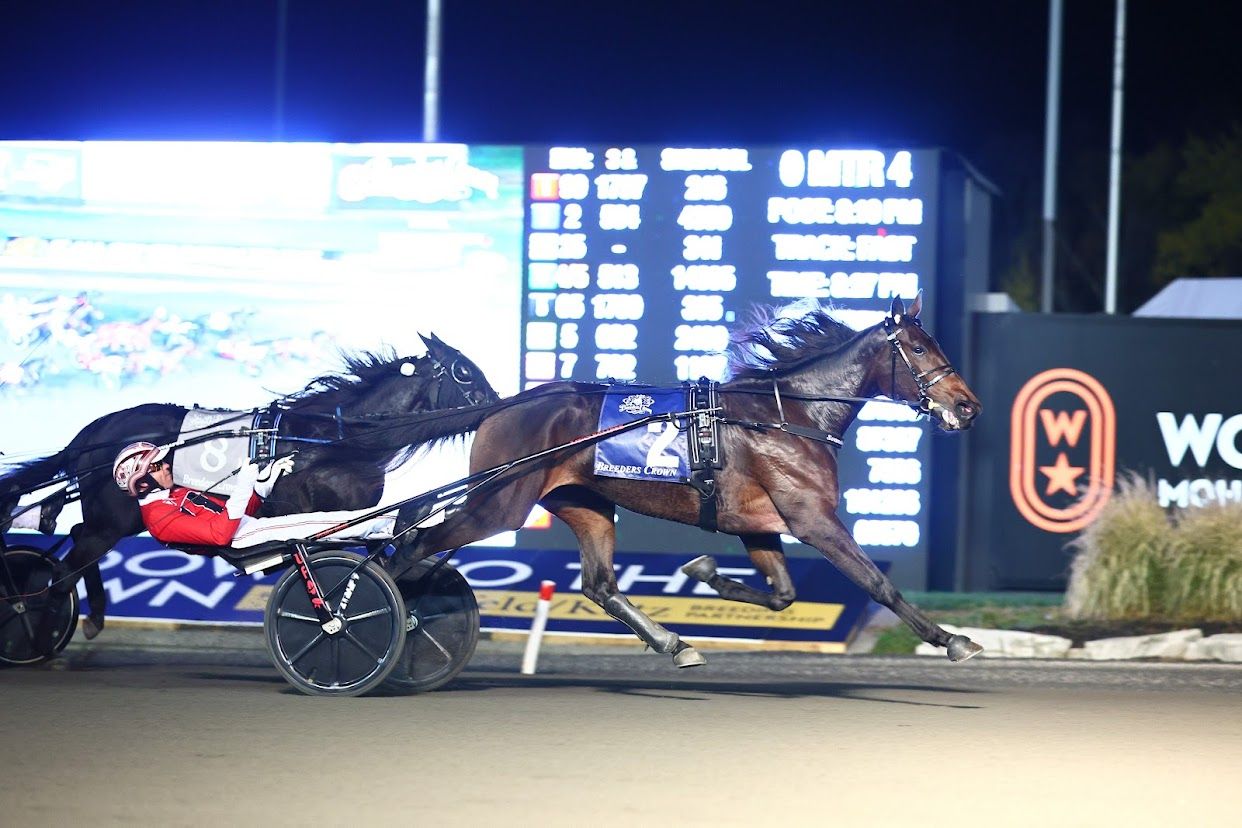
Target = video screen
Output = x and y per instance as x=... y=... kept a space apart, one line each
x=227 y=275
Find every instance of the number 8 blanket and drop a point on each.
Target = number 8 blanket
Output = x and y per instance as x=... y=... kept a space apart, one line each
x=208 y=465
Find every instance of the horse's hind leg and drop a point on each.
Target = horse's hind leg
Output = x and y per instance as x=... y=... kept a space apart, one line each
x=96 y=600
x=590 y=516
x=83 y=561
x=768 y=557
x=827 y=534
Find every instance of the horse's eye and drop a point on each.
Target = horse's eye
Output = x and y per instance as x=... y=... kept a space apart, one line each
x=918 y=349
x=461 y=372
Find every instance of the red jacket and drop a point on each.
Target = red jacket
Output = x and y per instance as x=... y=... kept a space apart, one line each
x=182 y=515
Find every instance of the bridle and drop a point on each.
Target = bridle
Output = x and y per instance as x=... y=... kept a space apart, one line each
x=925 y=402
x=456 y=371
x=923 y=379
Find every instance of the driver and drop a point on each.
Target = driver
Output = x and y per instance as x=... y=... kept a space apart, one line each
x=176 y=514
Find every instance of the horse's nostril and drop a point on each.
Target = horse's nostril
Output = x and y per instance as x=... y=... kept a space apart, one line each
x=966 y=410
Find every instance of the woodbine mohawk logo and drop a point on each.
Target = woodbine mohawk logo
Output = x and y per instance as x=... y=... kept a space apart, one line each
x=1199 y=447
x=1063 y=437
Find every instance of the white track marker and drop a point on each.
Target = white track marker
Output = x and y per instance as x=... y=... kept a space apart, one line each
x=546 y=588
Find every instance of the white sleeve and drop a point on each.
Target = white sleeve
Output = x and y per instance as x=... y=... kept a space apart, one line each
x=240 y=498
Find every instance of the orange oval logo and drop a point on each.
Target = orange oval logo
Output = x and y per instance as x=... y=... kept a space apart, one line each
x=1062 y=449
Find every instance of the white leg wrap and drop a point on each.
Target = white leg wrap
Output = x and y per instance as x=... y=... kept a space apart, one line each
x=29 y=519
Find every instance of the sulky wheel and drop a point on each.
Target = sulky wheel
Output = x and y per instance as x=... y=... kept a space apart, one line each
x=442 y=624
x=35 y=623
x=358 y=657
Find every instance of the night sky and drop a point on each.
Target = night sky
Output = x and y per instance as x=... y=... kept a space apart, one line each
x=968 y=76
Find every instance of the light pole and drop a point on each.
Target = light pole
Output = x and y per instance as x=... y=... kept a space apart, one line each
x=1114 y=161
x=1051 y=123
x=431 y=75
x=282 y=47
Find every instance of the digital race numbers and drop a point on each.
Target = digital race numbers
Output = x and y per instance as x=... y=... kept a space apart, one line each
x=640 y=260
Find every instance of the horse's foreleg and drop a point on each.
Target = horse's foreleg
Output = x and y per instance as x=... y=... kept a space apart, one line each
x=768 y=557
x=827 y=534
x=590 y=516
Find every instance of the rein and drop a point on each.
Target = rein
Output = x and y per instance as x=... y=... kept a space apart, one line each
x=817 y=434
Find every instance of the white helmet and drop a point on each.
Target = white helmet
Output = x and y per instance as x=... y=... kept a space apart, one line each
x=133 y=463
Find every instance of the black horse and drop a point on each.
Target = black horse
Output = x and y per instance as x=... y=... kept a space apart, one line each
x=797 y=385
x=342 y=425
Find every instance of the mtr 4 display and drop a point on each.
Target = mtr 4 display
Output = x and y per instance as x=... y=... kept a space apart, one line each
x=640 y=260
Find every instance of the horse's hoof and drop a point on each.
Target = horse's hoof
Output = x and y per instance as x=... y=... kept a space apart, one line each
x=701 y=568
x=961 y=648
x=90 y=628
x=687 y=656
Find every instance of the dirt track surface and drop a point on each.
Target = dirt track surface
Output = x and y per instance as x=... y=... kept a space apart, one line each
x=209 y=738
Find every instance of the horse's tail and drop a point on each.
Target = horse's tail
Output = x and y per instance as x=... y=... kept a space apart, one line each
x=61 y=467
x=35 y=474
x=31 y=476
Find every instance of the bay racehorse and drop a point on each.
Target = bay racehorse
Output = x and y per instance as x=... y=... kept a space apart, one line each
x=796 y=386
x=342 y=425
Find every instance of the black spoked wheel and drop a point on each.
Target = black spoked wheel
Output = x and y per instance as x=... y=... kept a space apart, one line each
x=35 y=622
x=358 y=657
x=442 y=623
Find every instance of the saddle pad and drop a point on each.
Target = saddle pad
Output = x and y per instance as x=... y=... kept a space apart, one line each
x=656 y=452
x=208 y=465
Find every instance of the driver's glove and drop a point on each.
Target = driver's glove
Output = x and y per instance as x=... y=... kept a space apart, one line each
x=272 y=472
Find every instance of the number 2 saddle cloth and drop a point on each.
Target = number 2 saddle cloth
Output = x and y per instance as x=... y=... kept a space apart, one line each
x=658 y=451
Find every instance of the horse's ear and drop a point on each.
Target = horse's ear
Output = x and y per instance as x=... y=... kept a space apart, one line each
x=430 y=343
x=446 y=349
x=916 y=305
x=431 y=340
x=897 y=310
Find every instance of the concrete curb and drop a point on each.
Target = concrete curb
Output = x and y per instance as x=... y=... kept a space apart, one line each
x=1178 y=645
x=1005 y=643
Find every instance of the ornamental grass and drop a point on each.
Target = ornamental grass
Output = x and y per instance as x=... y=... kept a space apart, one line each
x=1205 y=564
x=1140 y=561
x=1120 y=560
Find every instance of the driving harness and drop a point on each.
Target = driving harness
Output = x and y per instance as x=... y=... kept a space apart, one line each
x=703 y=402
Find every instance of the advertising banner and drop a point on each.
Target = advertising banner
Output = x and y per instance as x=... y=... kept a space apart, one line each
x=1072 y=404
x=506 y=583
x=147 y=581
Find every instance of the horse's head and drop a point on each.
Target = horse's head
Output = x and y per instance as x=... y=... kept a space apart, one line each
x=459 y=381
x=384 y=384
x=921 y=375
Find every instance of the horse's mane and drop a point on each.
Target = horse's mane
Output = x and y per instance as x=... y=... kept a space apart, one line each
x=358 y=370
x=775 y=341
